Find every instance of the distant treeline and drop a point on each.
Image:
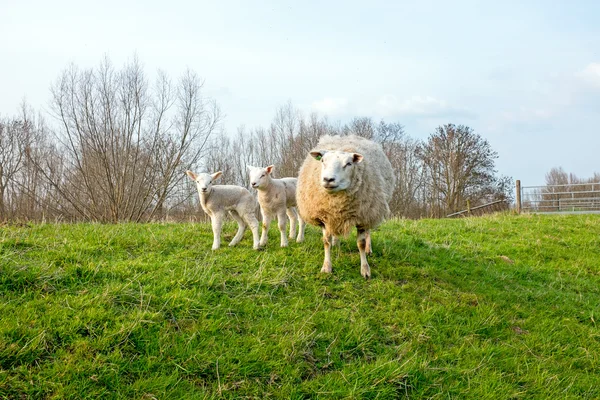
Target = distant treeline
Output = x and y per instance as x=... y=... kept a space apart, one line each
x=117 y=147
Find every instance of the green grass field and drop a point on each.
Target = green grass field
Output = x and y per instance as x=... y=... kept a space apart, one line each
x=499 y=307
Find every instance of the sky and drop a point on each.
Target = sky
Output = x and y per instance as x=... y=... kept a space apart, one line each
x=525 y=75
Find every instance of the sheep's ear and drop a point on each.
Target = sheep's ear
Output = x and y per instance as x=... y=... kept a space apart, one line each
x=249 y=167
x=318 y=155
x=216 y=175
x=192 y=175
x=269 y=169
x=357 y=157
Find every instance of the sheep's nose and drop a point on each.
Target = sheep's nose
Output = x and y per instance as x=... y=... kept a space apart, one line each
x=204 y=189
x=328 y=180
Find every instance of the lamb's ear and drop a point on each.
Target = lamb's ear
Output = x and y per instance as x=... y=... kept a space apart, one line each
x=357 y=157
x=318 y=155
x=269 y=169
x=216 y=175
x=192 y=175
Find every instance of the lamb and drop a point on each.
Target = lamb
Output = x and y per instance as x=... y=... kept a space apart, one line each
x=277 y=197
x=345 y=182
x=217 y=200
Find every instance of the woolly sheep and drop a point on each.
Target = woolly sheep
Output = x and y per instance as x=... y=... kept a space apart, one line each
x=217 y=200
x=277 y=197
x=345 y=182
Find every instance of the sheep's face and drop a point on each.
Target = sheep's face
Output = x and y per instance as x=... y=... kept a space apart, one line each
x=337 y=168
x=204 y=181
x=259 y=176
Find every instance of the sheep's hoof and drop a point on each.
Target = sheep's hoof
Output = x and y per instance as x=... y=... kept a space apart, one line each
x=326 y=269
x=365 y=272
x=215 y=247
x=300 y=240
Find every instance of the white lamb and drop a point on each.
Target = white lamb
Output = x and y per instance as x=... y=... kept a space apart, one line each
x=345 y=182
x=277 y=197
x=217 y=200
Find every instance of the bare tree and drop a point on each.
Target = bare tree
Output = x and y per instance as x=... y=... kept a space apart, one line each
x=360 y=126
x=14 y=139
x=459 y=165
x=21 y=137
x=124 y=146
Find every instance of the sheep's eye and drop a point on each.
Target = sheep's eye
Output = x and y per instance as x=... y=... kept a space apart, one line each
x=347 y=165
x=262 y=176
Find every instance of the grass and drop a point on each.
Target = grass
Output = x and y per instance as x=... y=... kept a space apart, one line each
x=500 y=307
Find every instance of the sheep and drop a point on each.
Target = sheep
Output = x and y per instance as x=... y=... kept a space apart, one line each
x=217 y=200
x=345 y=182
x=277 y=197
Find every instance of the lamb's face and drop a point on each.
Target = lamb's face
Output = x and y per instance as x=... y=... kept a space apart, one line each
x=204 y=181
x=336 y=168
x=259 y=176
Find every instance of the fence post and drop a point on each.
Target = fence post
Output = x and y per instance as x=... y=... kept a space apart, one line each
x=518 y=196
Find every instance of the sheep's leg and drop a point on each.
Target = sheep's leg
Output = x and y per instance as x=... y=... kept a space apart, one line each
x=361 y=241
x=282 y=222
x=241 y=227
x=301 y=227
x=335 y=241
x=217 y=224
x=293 y=217
x=252 y=222
x=327 y=246
x=368 y=248
x=265 y=228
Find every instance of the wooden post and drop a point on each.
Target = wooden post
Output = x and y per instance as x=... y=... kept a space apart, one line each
x=469 y=207
x=519 y=197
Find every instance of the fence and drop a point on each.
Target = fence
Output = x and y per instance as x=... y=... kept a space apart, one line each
x=495 y=206
x=577 y=198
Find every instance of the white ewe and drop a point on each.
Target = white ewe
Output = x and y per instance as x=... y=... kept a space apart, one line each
x=345 y=182
x=277 y=197
x=217 y=200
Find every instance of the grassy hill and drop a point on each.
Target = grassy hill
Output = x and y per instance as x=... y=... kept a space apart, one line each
x=500 y=307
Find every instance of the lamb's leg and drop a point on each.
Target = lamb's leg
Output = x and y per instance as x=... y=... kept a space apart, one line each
x=265 y=228
x=293 y=217
x=327 y=246
x=217 y=223
x=361 y=241
x=241 y=227
x=282 y=222
x=253 y=224
x=301 y=227
x=368 y=248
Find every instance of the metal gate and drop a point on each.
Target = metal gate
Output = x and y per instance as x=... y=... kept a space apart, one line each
x=577 y=198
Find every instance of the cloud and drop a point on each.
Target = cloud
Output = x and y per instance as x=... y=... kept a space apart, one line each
x=418 y=106
x=331 y=105
x=390 y=106
x=591 y=74
x=524 y=114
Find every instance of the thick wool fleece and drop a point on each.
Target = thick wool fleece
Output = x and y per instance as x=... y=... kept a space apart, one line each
x=365 y=204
